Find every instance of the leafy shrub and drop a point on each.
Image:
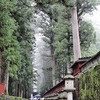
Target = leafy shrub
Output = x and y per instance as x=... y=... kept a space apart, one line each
x=6 y=97
x=89 y=84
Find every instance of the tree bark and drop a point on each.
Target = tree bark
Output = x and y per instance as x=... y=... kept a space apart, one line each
x=7 y=79
x=53 y=65
x=68 y=64
x=75 y=30
x=10 y=86
x=52 y=55
x=16 y=90
x=53 y=70
x=24 y=93
x=68 y=55
x=21 y=93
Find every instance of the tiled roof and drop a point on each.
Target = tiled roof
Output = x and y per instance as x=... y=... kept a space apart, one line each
x=83 y=59
x=92 y=58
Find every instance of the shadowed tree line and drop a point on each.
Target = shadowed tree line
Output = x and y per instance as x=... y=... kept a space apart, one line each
x=16 y=40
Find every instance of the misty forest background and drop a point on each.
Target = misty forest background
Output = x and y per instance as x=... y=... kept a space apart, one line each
x=36 y=42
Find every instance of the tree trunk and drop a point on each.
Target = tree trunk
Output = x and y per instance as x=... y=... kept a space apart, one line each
x=21 y=93
x=75 y=30
x=16 y=90
x=53 y=65
x=68 y=55
x=10 y=86
x=53 y=70
x=52 y=55
x=7 y=79
x=7 y=82
x=68 y=64
x=24 y=93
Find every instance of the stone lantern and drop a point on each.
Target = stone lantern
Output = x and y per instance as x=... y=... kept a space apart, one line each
x=69 y=86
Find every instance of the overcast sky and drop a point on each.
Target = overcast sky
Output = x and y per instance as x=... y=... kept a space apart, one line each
x=95 y=18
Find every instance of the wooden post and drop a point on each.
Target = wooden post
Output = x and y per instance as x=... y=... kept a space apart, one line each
x=75 y=30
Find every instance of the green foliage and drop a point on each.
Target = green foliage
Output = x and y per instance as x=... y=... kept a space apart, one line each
x=46 y=1
x=89 y=84
x=9 y=44
x=87 y=34
x=62 y=39
x=16 y=41
x=92 y=2
x=86 y=6
x=25 y=37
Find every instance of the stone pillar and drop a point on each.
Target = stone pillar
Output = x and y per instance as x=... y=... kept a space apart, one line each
x=69 y=86
x=69 y=96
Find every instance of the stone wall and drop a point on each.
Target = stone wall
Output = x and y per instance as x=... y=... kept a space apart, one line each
x=60 y=95
x=66 y=93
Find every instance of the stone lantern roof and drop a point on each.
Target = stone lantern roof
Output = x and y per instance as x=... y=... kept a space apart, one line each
x=67 y=77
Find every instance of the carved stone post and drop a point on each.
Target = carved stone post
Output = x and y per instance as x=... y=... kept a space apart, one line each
x=69 y=86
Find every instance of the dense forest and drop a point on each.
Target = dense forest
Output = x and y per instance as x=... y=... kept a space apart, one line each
x=56 y=27
x=17 y=41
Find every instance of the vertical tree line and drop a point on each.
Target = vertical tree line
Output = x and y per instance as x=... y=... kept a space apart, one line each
x=16 y=39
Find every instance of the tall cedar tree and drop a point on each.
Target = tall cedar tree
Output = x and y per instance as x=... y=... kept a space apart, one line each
x=16 y=42
x=9 y=46
x=46 y=4
x=24 y=83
